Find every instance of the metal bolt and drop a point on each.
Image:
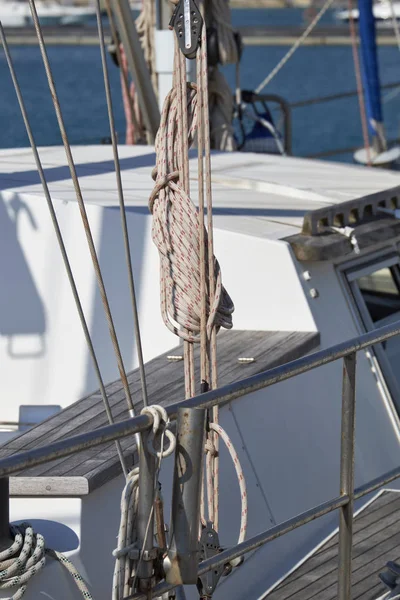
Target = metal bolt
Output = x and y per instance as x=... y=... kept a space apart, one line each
x=246 y=360
x=174 y=358
x=307 y=275
x=314 y=293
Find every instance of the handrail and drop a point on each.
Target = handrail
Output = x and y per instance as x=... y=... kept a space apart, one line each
x=344 y=502
x=222 y=395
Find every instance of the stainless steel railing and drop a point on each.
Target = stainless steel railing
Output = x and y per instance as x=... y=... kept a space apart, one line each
x=344 y=502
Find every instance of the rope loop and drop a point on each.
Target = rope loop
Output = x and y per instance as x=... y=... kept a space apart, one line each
x=161 y=423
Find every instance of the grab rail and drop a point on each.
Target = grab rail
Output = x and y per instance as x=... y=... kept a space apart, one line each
x=344 y=502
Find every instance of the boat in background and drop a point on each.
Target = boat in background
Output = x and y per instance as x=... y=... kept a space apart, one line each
x=16 y=13
x=382 y=11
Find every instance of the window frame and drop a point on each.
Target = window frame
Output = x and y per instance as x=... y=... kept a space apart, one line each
x=377 y=356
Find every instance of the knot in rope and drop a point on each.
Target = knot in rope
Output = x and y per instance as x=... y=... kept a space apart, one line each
x=160 y=427
x=209 y=447
x=175 y=232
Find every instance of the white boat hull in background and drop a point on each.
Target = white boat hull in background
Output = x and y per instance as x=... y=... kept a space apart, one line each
x=382 y=12
x=18 y=14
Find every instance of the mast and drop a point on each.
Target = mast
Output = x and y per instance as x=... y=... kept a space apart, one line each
x=370 y=74
x=378 y=154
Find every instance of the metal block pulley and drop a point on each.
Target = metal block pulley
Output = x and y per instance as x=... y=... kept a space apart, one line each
x=187 y=23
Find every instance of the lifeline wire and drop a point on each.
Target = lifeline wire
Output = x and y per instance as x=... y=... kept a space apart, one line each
x=121 y=205
x=60 y=241
x=82 y=209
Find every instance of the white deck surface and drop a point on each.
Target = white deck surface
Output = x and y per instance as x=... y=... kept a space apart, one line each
x=261 y=195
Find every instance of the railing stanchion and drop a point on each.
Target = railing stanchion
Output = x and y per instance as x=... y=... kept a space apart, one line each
x=347 y=475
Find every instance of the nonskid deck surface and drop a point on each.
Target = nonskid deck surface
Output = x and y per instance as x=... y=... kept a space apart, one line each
x=83 y=472
x=256 y=194
x=376 y=541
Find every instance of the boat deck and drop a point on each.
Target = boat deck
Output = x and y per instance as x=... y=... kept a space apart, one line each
x=256 y=194
x=81 y=473
x=376 y=541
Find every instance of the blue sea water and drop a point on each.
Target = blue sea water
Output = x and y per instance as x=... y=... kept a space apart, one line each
x=312 y=71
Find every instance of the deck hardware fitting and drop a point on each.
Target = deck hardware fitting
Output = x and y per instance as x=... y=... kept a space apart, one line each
x=307 y=275
x=145 y=516
x=182 y=563
x=174 y=358
x=246 y=360
x=209 y=547
x=314 y=293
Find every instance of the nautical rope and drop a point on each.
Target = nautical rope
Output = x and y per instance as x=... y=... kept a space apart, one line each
x=135 y=130
x=175 y=232
x=73 y=571
x=211 y=451
x=219 y=15
x=134 y=122
x=127 y=553
x=145 y=26
x=221 y=111
x=26 y=556
x=293 y=49
x=360 y=91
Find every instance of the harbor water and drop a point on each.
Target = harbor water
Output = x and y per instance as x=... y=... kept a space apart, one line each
x=312 y=71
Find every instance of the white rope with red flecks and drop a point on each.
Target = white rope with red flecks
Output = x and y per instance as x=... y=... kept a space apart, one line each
x=194 y=303
x=210 y=451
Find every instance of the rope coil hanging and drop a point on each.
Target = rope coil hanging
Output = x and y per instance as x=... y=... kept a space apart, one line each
x=175 y=232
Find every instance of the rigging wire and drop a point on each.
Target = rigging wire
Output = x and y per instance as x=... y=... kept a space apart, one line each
x=121 y=205
x=360 y=91
x=60 y=241
x=82 y=209
x=213 y=464
x=124 y=75
x=293 y=49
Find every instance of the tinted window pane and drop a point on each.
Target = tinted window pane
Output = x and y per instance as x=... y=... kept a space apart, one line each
x=381 y=293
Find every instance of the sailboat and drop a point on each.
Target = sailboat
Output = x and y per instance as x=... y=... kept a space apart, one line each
x=309 y=252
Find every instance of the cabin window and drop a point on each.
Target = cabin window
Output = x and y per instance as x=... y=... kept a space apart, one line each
x=376 y=291
x=380 y=292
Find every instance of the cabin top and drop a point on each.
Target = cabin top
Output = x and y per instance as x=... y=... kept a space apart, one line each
x=256 y=194
x=376 y=541
x=82 y=473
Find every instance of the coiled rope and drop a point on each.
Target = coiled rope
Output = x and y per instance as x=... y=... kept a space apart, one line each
x=127 y=553
x=175 y=231
x=26 y=557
